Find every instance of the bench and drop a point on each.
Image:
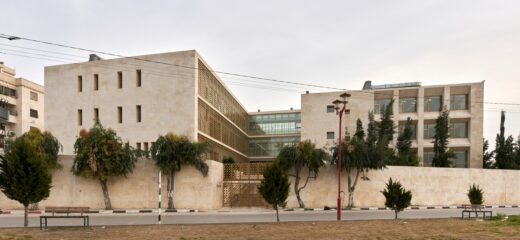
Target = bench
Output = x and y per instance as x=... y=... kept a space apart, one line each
x=475 y=208
x=71 y=212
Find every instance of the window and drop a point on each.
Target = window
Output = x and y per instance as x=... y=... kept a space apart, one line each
x=80 y=117
x=138 y=146
x=428 y=159
x=380 y=104
x=96 y=114
x=120 y=79
x=138 y=113
x=80 y=83
x=459 y=102
x=120 y=114
x=138 y=78
x=33 y=113
x=96 y=82
x=330 y=108
x=429 y=130
x=460 y=160
x=459 y=130
x=432 y=104
x=413 y=127
x=330 y=135
x=407 y=105
x=146 y=146
x=34 y=96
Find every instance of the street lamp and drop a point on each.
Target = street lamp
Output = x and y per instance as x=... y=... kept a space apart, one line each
x=340 y=107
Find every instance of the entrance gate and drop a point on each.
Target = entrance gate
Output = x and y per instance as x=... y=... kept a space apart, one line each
x=241 y=182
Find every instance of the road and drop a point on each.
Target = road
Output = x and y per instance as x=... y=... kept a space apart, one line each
x=240 y=217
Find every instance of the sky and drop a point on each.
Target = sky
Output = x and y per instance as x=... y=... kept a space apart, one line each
x=332 y=43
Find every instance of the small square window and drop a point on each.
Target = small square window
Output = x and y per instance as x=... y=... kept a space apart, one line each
x=138 y=146
x=330 y=108
x=146 y=146
x=330 y=135
x=34 y=113
x=34 y=96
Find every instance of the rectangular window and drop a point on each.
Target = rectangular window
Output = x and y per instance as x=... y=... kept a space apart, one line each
x=428 y=159
x=120 y=114
x=80 y=83
x=380 y=104
x=413 y=127
x=146 y=146
x=138 y=113
x=432 y=104
x=460 y=160
x=429 y=130
x=33 y=113
x=34 y=96
x=138 y=78
x=80 y=117
x=459 y=102
x=459 y=130
x=120 y=79
x=330 y=108
x=96 y=82
x=330 y=135
x=96 y=114
x=138 y=146
x=407 y=105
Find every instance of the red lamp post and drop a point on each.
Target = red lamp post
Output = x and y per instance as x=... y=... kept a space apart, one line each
x=339 y=111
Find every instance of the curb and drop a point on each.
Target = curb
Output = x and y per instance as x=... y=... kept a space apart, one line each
x=384 y=208
x=116 y=211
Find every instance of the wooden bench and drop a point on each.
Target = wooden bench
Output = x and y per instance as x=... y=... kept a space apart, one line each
x=71 y=212
x=475 y=208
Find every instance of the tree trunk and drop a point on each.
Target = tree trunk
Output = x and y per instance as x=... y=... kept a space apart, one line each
x=170 y=188
x=395 y=214
x=277 y=217
x=25 y=220
x=349 y=190
x=296 y=189
x=106 y=197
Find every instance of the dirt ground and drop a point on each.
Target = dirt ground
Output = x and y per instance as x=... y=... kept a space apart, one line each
x=381 y=229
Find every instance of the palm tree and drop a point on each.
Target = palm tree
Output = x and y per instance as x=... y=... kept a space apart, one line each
x=170 y=152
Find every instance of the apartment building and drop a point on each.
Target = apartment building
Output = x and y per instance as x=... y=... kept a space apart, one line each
x=22 y=104
x=421 y=103
x=145 y=96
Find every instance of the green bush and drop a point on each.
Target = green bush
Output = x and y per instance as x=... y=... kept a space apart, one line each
x=475 y=195
x=228 y=160
x=397 y=198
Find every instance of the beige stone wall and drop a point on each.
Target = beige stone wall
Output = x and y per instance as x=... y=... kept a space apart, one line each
x=429 y=186
x=137 y=191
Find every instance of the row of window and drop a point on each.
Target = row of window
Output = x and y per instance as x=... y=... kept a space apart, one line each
x=409 y=104
x=460 y=160
x=457 y=130
x=95 y=81
x=119 y=114
x=143 y=146
x=7 y=91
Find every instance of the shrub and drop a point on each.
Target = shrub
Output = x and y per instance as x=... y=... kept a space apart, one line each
x=228 y=160
x=397 y=198
x=475 y=194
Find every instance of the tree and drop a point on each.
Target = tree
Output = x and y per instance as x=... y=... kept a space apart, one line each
x=360 y=154
x=101 y=154
x=405 y=156
x=505 y=148
x=228 y=160
x=46 y=145
x=442 y=155
x=386 y=128
x=303 y=155
x=475 y=194
x=24 y=175
x=170 y=152
x=487 y=156
x=274 y=188
x=396 y=197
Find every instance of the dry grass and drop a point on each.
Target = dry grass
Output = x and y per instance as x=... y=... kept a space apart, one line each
x=381 y=229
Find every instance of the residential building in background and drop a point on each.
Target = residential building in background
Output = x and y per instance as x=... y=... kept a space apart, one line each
x=22 y=105
x=146 y=96
x=421 y=103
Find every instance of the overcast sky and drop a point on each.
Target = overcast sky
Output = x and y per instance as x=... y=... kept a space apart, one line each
x=333 y=43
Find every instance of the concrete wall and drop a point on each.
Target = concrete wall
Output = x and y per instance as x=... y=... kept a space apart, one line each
x=137 y=191
x=429 y=186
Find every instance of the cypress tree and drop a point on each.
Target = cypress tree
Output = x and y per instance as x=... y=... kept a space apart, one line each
x=504 y=148
x=274 y=188
x=442 y=155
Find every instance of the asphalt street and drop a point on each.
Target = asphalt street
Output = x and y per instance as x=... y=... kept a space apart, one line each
x=239 y=217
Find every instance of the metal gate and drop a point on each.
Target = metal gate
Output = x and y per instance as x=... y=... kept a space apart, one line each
x=241 y=181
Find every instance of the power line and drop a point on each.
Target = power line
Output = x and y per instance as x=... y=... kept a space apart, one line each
x=10 y=37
